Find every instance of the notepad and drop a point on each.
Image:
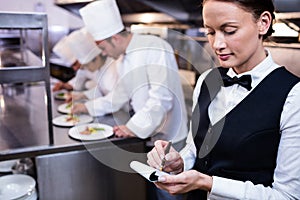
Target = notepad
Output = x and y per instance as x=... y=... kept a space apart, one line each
x=149 y=173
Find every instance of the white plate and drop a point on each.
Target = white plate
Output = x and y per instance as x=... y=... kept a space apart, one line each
x=5 y=166
x=62 y=120
x=61 y=95
x=74 y=132
x=30 y=196
x=15 y=186
x=65 y=108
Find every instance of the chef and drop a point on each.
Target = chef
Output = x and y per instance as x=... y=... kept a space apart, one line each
x=97 y=73
x=63 y=51
x=148 y=78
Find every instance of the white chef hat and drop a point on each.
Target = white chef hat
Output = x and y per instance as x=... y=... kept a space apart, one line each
x=62 y=50
x=102 y=18
x=83 y=46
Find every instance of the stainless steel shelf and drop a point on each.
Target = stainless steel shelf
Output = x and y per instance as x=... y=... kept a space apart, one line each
x=21 y=22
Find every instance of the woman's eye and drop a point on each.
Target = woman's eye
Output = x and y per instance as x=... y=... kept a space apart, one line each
x=230 y=31
x=207 y=32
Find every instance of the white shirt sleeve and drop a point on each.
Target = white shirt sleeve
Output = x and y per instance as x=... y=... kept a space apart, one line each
x=93 y=93
x=287 y=172
x=109 y=103
x=79 y=80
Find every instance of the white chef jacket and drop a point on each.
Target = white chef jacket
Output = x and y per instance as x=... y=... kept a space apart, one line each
x=105 y=79
x=287 y=172
x=150 y=82
x=84 y=79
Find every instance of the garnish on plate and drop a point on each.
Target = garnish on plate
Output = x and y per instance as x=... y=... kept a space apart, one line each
x=72 y=118
x=69 y=105
x=90 y=130
x=61 y=94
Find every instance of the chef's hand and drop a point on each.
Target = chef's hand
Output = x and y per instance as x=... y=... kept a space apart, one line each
x=75 y=97
x=185 y=182
x=61 y=85
x=79 y=108
x=123 y=131
x=174 y=162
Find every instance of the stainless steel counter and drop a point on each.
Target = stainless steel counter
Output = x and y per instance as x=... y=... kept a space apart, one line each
x=23 y=124
x=68 y=169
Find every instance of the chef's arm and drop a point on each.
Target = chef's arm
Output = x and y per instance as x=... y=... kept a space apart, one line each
x=109 y=103
x=154 y=112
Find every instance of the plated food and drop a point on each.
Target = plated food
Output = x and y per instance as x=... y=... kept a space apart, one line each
x=61 y=95
x=71 y=120
x=65 y=108
x=92 y=131
x=89 y=130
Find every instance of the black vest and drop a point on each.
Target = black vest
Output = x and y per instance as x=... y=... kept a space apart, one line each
x=243 y=145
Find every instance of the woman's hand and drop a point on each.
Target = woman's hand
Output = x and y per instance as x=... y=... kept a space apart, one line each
x=185 y=182
x=174 y=163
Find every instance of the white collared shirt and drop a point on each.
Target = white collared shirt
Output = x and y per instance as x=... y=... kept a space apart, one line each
x=287 y=172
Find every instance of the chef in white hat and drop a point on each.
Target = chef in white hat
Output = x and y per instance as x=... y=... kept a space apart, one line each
x=149 y=78
x=95 y=70
x=63 y=51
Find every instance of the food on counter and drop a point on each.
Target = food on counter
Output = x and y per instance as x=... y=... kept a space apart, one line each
x=90 y=130
x=72 y=118
x=69 y=105
x=61 y=94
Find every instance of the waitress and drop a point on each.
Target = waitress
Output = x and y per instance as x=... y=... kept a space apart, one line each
x=245 y=136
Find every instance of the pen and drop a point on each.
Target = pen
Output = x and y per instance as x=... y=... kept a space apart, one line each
x=167 y=149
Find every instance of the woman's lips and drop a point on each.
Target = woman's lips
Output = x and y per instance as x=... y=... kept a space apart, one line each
x=224 y=57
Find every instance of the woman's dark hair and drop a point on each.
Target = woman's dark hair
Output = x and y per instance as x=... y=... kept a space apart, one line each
x=256 y=7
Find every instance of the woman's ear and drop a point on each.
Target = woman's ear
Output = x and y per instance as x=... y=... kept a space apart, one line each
x=264 y=22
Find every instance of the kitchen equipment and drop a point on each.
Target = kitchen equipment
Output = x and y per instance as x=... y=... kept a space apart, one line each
x=23 y=166
x=17 y=186
x=19 y=22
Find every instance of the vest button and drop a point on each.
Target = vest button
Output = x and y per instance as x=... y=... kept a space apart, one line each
x=205 y=163
x=209 y=130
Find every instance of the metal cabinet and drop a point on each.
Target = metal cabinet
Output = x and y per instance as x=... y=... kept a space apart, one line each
x=22 y=22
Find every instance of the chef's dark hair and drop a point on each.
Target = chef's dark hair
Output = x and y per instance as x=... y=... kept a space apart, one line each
x=256 y=7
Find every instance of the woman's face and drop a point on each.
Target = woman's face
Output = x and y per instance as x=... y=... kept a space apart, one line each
x=233 y=34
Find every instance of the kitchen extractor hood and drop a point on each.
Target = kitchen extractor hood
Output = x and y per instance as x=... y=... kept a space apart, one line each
x=162 y=11
x=187 y=12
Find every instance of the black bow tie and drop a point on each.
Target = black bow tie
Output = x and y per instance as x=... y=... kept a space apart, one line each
x=244 y=81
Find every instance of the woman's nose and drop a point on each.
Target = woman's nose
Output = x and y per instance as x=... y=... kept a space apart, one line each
x=219 y=41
